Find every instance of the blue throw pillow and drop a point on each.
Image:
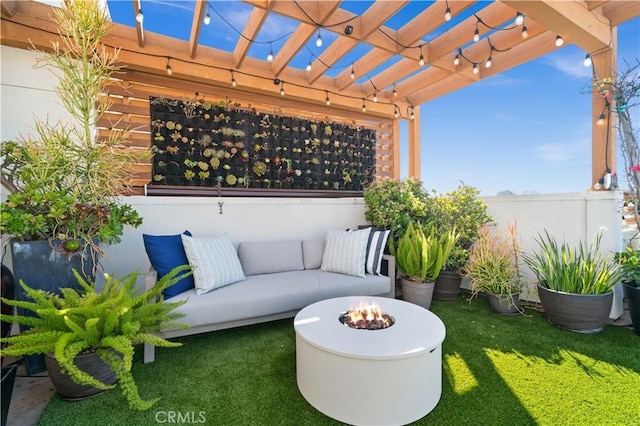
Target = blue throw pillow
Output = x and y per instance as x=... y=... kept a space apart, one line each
x=165 y=253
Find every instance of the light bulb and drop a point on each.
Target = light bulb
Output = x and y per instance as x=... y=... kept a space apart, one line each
x=456 y=60
x=395 y=112
x=319 y=40
x=559 y=41
x=282 y=90
x=364 y=107
x=207 y=19
x=353 y=74
x=395 y=93
x=413 y=115
x=475 y=69
x=488 y=63
x=169 y=70
x=375 y=96
x=139 y=16
x=476 y=35
x=309 y=66
x=327 y=100
x=601 y=119
x=525 y=33
x=233 y=82
x=587 y=60
x=270 y=56
x=421 y=61
x=519 y=18
x=447 y=14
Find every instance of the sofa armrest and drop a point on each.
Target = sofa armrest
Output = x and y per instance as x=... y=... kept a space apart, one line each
x=391 y=271
x=150 y=279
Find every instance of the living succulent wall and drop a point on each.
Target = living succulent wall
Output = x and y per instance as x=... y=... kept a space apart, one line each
x=207 y=143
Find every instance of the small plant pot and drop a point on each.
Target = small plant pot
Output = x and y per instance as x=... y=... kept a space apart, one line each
x=447 y=286
x=505 y=304
x=417 y=293
x=69 y=390
x=632 y=295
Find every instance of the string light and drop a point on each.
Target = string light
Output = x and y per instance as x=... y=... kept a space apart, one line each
x=319 y=40
x=475 y=68
x=309 y=66
x=413 y=115
x=233 y=80
x=207 y=19
x=353 y=73
x=139 y=16
x=169 y=70
x=447 y=12
x=421 y=61
x=601 y=119
x=364 y=106
x=375 y=96
x=587 y=60
x=476 y=33
x=525 y=33
x=559 y=41
x=395 y=93
x=488 y=63
x=519 y=18
x=270 y=55
x=456 y=60
x=396 y=111
x=282 y=88
x=327 y=100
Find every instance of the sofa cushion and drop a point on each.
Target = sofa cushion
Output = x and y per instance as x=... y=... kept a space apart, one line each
x=312 y=251
x=166 y=252
x=214 y=260
x=269 y=294
x=345 y=252
x=268 y=257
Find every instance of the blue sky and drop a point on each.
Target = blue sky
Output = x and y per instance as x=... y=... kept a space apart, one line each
x=525 y=130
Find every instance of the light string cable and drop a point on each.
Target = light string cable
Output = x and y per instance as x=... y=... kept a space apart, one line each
x=318 y=24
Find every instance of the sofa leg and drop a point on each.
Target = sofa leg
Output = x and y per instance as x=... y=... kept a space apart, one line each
x=149 y=353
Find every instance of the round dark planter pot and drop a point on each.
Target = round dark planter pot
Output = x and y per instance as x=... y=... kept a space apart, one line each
x=582 y=313
x=505 y=305
x=632 y=295
x=417 y=293
x=89 y=363
x=447 y=286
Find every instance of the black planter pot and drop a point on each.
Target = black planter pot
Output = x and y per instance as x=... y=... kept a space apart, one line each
x=42 y=267
x=8 y=378
x=582 y=313
x=632 y=295
x=90 y=363
x=447 y=286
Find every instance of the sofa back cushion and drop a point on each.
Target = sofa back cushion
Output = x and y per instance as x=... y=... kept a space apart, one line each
x=268 y=257
x=312 y=251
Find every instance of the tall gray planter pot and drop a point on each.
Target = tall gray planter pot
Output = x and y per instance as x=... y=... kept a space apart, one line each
x=43 y=267
x=582 y=313
x=417 y=293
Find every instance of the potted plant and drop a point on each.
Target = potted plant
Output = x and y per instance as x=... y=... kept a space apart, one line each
x=64 y=180
x=574 y=283
x=462 y=210
x=629 y=262
x=420 y=255
x=89 y=336
x=493 y=269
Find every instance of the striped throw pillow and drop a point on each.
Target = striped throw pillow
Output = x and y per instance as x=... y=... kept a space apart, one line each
x=375 y=249
x=345 y=252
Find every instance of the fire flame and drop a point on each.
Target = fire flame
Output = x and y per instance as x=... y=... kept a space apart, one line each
x=367 y=316
x=367 y=312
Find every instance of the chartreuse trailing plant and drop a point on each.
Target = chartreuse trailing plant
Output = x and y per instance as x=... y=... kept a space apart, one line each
x=580 y=270
x=421 y=253
x=629 y=261
x=110 y=323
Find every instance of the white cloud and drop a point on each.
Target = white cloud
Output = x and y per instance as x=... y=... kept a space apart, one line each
x=569 y=64
x=555 y=152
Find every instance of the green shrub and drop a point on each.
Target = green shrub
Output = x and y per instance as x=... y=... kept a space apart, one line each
x=420 y=255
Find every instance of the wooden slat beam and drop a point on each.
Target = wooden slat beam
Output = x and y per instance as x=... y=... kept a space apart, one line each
x=196 y=26
x=251 y=29
x=619 y=12
x=414 y=145
x=570 y=19
x=139 y=25
x=8 y=7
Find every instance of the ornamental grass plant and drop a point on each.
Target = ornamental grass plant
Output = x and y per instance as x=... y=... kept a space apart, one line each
x=579 y=270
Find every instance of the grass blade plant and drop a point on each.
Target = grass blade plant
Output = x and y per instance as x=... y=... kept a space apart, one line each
x=579 y=270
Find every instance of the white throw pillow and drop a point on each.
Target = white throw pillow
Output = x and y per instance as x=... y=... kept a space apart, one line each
x=215 y=262
x=345 y=252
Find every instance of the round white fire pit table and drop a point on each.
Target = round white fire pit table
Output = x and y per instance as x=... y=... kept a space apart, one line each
x=389 y=376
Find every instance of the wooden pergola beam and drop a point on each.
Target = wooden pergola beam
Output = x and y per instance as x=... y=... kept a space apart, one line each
x=196 y=25
x=251 y=29
x=139 y=27
x=571 y=19
x=8 y=7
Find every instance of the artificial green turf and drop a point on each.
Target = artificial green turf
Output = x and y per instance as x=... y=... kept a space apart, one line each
x=497 y=370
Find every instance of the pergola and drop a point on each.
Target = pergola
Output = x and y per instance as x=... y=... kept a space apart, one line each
x=423 y=66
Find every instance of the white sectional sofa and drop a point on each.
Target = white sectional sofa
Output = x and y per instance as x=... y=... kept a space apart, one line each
x=281 y=277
